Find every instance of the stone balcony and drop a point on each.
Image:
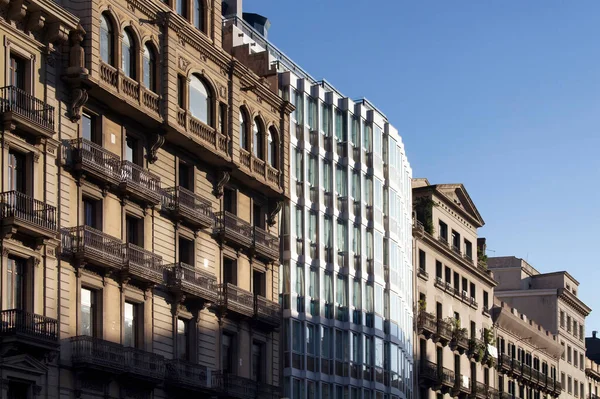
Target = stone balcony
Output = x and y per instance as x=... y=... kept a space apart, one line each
x=24 y=111
x=26 y=217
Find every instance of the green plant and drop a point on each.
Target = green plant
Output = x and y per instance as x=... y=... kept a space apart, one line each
x=488 y=336
x=422 y=305
x=424 y=208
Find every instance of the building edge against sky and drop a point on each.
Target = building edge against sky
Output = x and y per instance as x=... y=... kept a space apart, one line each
x=347 y=279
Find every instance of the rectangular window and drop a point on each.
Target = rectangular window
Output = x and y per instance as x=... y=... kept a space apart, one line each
x=181 y=7
x=576 y=388
x=87 y=312
x=575 y=358
x=575 y=329
x=562 y=356
x=186 y=176
x=228 y=354
x=181 y=84
x=134 y=230
x=581 y=332
x=182 y=339
x=327 y=177
x=186 y=251
x=15 y=284
x=455 y=241
x=229 y=271
x=92 y=215
x=313 y=288
x=569 y=356
x=438 y=269
x=326 y=119
x=485 y=301
x=354 y=132
x=443 y=228
x=327 y=232
x=468 y=249
x=563 y=381
x=328 y=287
x=130 y=325
x=312 y=171
x=569 y=323
x=18 y=71
x=473 y=290
x=339 y=126
x=258 y=362
x=422 y=259
x=312 y=113
x=259 y=283
x=341 y=181
x=562 y=318
x=299 y=107
x=88 y=128
x=299 y=165
x=17 y=172
x=133 y=151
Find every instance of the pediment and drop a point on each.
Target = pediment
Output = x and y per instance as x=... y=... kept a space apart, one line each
x=25 y=364
x=458 y=195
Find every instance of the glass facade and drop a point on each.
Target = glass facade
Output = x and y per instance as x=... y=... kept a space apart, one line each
x=349 y=322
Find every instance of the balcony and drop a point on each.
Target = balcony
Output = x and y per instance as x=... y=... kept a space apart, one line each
x=233 y=386
x=190 y=376
x=261 y=169
x=444 y=331
x=479 y=390
x=427 y=324
x=27 y=112
x=183 y=205
x=234 y=299
x=92 y=160
x=267 y=312
x=505 y=363
x=461 y=385
x=265 y=244
x=193 y=283
x=429 y=375
x=422 y=273
x=139 y=184
x=459 y=342
x=516 y=366
x=21 y=214
x=89 y=246
x=201 y=134
x=233 y=230
x=24 y=331
x=448 y=378
x=142 y=265
x=109 y=357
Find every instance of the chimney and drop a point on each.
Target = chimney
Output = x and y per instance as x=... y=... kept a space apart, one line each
x=232 y=7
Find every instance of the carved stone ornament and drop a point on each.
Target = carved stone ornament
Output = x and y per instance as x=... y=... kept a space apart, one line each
x=79 y=97
x=223 y=177
x=274 y=209
x=183 y=63
x=222 y=91
x=155 y=145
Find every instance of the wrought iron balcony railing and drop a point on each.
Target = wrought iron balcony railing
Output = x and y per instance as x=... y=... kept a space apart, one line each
x=21 y=104
x=234 y=386
x=140 y=183
x=427 y=322
x=92 y=246
x=94 y=160
x=193 y=282
x=233 y=229
x=143 y=364
x=237 y=300
x=19 y=325
x=265 y=244
x=189 y=375
x=143 y=264
x=30 y=216
x=266 y=311
x=189 y=207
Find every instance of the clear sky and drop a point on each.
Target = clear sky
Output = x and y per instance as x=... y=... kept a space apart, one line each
x=501 y=96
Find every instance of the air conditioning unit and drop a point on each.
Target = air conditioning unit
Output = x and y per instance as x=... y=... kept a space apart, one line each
x=465 y=293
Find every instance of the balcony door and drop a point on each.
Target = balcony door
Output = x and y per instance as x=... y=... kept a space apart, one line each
x=18 y=71
x=228 y=355
x=15 y=284
x=16 y=172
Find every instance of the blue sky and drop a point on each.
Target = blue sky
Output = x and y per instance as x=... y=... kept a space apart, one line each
x=502 y=96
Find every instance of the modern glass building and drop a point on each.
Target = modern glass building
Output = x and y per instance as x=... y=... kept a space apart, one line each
x=346 y=275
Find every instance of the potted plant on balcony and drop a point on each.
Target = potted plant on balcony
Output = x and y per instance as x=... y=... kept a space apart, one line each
x=423 y=207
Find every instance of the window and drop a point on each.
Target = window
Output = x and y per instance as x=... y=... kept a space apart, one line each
x=257 y=362
x=562 y=318
x=130 y=324
x=562 y=356
x=92 y=213
x=133 y=151
x=485 y=301
x=181 y=84
x=228 y=354
x=149 y=64
x=575 y=329
x=575 y=358
x=272 y=147
x=473 y=290
x=576 y=388
x=223 y=118
x=182 y=339
x=298 y=165
x=581 y=332
x=438 y=269
x=569 y=354
x=16 y=172
x=200 y=100
x=186 y=251
x=229 y=201
x=199 y=14
x=259 y=283
x=422 y=259
x=257 y=137
x=186 y=176
x=443 y=227
x=87 y=312
x=468 y=249
x=562 y=381
x=243 y=130
x=312 y=113
x=229 y=271
x=15 y=284
x=106 y=40
x=581 y=362
x=134 y=231
x=181 y=7
x=569 y=323
x=128 y=55
x=455 y=241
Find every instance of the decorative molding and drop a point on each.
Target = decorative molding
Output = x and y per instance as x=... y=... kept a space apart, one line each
x=158 y=140
x=223 y=177
x=79 y=96
x=183 y=63
x=274 y=209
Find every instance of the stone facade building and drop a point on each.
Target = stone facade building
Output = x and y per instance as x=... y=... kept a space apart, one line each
x=455 y=341
x=144 y=168
x=551 y=300
x=528 y=355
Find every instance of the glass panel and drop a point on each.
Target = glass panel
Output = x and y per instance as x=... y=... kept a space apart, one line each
x=86 y=314
x=129 y=324
x=199 y=100
x=182 y=339
x=105 y=40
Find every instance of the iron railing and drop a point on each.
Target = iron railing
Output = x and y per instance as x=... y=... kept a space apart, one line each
x=27 y=106
x=143 y=363
x=186 y=373
x=142 y=263
x=21 y=323
x=267 y=311
x=234 y=386
x=145 y=183
x=23 y=208
x=427 y=322
x=237 y=299
x=97 y=353
x=266 y=243
x=233 y=228
x=196 y=282
x=93 y=158
x=92 y=245
x=188 y=205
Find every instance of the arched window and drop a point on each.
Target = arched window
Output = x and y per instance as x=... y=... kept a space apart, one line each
x=106 y=40
x=258 y=141
x=243 y=130
x=128 y=55
x=149 y=67
x=200 y=101
x=199 y=14
x=272 y=147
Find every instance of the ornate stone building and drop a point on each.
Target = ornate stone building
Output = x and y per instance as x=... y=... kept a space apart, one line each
x=144 y=169
x=455 y=339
